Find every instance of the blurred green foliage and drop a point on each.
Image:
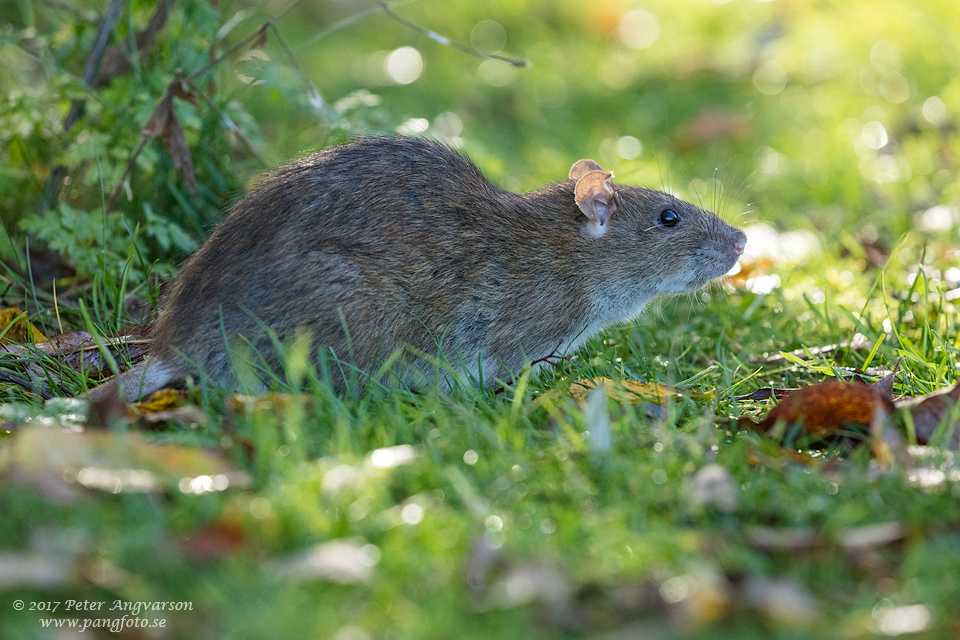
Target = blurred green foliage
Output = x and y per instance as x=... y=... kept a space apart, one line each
x=778 y=108
x=838 y=119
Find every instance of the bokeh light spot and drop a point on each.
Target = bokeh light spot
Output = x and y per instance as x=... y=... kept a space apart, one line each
x=638 y=29
x=404 y=65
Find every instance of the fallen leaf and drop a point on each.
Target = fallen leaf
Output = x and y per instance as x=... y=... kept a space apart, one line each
x=125 y=462
x=622 y=391
x=17 y=329
x=883 y=437
x=827 y=408
x=885 y=384
x=767 y=393
x=930 y=411
x=159 y=401
x=79 y=351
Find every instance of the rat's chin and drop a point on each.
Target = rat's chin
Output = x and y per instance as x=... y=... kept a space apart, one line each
x=696 y=285
x=705 y=277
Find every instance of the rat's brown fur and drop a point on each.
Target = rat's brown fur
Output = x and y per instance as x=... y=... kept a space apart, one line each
x=404 y=242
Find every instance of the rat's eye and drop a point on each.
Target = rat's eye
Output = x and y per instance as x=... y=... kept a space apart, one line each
x=669 y=218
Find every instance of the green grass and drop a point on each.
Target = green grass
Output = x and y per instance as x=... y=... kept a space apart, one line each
x=511 y=520
x=509 y=493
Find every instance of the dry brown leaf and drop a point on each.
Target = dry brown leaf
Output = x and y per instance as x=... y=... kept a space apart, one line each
x=765 y=393
x=180 y=153
x=80 y=352
x=261 y=40
x=77 y=350
x=163 y=123
x=927 y=412
x=827 y=408
x=885 y=384
x=888 y=445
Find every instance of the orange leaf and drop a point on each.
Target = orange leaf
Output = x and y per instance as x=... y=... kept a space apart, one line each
x=828 y=407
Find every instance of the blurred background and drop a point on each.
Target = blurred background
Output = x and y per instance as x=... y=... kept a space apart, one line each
x=836 y=118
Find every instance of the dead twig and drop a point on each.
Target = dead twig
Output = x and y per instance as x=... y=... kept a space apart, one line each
x=436 y=37
x=107 y=24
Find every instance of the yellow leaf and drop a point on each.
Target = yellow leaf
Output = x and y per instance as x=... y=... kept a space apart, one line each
x=162 y=400
x=623 y=391
x=21 y=331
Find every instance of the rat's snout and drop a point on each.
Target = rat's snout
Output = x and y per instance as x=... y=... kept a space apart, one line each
x=740 y=244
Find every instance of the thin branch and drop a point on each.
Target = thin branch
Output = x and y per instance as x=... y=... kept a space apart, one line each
x=346 y=22
x=256 y=35
x=6 y=376
x=228 y=123
x=110 y=19
x=109 y=22
x=63 y=6
x=436 y=37
x=314 y=92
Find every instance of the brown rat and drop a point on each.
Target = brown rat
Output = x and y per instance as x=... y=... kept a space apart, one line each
x=406 y=244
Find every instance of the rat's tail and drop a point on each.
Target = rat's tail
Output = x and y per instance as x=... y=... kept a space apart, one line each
x=138 y=381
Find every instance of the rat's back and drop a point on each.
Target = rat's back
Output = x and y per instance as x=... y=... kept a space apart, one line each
x=361 y=245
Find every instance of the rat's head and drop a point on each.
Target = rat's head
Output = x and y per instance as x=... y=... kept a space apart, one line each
x=663 y=243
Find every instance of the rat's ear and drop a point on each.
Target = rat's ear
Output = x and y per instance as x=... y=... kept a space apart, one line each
x=581 y=167
x=595 y=198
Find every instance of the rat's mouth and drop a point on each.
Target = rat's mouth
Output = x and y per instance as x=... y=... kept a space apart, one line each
x=705 y=274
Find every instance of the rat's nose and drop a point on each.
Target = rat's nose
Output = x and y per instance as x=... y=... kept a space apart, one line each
x=740 y=244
